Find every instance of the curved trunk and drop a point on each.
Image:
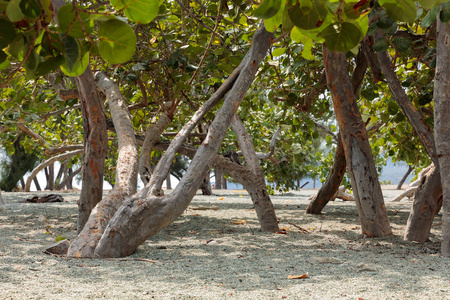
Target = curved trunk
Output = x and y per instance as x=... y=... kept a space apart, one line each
x=330 y=187
x=360 y=163
x=145 y=213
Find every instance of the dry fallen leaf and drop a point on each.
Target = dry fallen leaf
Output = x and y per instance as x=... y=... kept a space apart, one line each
x=221 y=198
x=285 y=229
x=281 y=232
x=239 y=222
x=298 y=276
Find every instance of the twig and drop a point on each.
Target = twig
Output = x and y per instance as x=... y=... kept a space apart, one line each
x=297 y=226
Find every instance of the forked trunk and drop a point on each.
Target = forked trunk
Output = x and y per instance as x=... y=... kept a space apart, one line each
x=360 y=163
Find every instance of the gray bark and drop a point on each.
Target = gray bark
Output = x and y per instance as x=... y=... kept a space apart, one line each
x=442 y=124
x=146 y=212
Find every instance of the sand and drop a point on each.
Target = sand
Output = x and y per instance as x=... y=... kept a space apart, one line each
x=215 y=250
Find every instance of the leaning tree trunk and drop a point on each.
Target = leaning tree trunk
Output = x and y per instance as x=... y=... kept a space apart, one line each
x=442 y=124
x=147 y=212
x=205 y=187
x=330 y=187
x=360 y=163
x=260 y=197
x=402 y=181
x=425 y=207
x=426 y=136
x=95 y=144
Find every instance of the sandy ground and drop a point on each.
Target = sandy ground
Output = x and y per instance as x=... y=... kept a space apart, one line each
x=205 y=255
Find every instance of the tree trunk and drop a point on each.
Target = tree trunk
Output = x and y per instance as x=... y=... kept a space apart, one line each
x=402 y=181
x=224 y=183
x=68 y=180
x=427 y=203
x=36 y=183
x=206 y=184
x=360 y=163
x=126 y=173
x=1 y=198
x=260 y=197
x=46 y=163
x=51 y=177
x=95 y=145
x=168 y=182
x=330 y=187
x=61 y=172
x=147 y=212
x=218 y=174
x=442 y=124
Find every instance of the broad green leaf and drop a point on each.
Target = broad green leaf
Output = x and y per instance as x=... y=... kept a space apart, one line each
x=69 y=22
x=7 y=33
x=273 y=23
x=287 y=23
x=13 y=11
x=78 y=67
x=71 y=51
x=381 y=46
x=445 y=12
x=138 y=11
x=17 y=48
x=268 y=9
x=430 y=3
x=30 y=8
x=49 y=65
x=307 y=14
x=32 y=61
x=117 y=41
x=278 y=51
x=400 y=10
x=307 y=46
x=3 y=56
x=341 y=37
x=430 y=18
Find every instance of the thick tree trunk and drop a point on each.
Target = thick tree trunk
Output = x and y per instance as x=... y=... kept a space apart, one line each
x=427 y=203
x=146 y=212
x=426 y=136
x=260 y=197
x=402 y=181
x=168 y=182
x=330 y=187
x=126 y=173
x=360 y=163
x=442 y=124
x=95 y=145
x=224 y=183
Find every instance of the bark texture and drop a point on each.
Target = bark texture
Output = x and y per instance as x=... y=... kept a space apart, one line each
x=360 y=163
x=258 y=192
x=330 y=187
x=427 y=203
x=442 y=124
x=126 y=173
x=95 y=143
x=146 y=212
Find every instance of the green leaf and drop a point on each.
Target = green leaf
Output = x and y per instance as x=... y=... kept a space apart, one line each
x=138 y=11
x=427 y=4
x=49 y=65
x=445 y=12
x=7 y=33
x=4 y=64
x=273 y=23
x=307 y=14
x=430 y=18
x=381 y=46
x=400 y=10
x=278 y=51
x=30 y=8
x=69 y=22
x=78 y=67
x=401 y=44
x=287 y=23
x=268 y=9
x=341 y=37
x=117 y=41
x=3 y=56
x=71 y=51
x=13 y=11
